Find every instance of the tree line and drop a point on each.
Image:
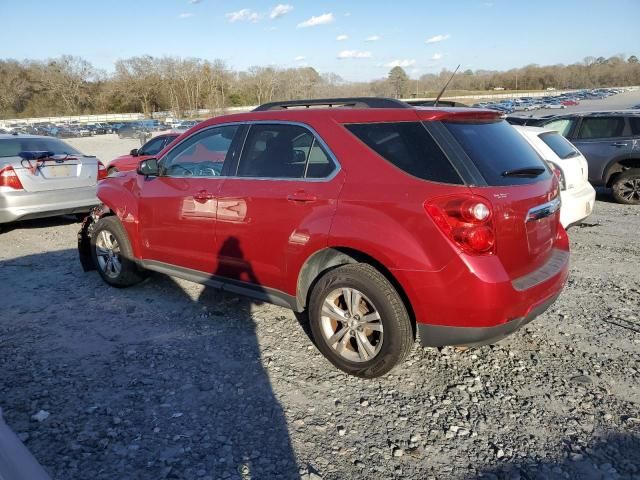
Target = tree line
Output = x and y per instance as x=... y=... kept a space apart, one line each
x=71 y=85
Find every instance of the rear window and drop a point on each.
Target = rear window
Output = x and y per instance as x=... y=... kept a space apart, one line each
x=409 y=147
x=560 y=145
x=11 y=147
x=496 y=148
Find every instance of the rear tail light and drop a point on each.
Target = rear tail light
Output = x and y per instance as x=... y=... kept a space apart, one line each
x=559 y=175
x=9 y=178
x=102 y=171
x=467 y=220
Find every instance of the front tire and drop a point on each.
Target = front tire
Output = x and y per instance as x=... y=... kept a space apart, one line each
x=112 y=254
x=359 y=321
x=626 y=187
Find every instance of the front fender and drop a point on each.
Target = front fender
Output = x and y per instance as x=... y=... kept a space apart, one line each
x=85 y=234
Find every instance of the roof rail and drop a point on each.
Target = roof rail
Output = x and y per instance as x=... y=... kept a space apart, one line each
x=354 y=102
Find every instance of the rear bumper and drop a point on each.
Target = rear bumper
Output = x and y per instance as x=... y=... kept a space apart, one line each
x=474 y=301
x=438 y=335
x=577 y=204
x=22 y=205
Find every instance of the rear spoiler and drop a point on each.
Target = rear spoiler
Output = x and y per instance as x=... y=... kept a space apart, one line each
x=16 y=462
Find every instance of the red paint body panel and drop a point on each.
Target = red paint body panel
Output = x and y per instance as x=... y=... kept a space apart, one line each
x=263 y=231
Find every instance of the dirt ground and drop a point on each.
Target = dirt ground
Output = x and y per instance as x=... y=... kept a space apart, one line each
x=169 y=379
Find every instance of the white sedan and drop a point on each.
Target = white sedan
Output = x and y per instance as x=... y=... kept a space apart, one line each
x=569 y=165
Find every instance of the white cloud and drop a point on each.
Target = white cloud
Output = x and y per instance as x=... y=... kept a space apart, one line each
x=340 y=38
x=344 y=54
x=280 y=10
x=244 y=15
x=436 y=56
x=319 y=20
x=193 y=2
x=373 y=38
x=185 y=15
x=347 y=14
x=408 y=62
x=299 y=58
x=438 y=38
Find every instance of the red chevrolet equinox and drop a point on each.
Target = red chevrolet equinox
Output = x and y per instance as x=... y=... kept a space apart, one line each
x=384 y=222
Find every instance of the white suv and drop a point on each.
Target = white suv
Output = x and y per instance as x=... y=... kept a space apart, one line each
x=576 y=193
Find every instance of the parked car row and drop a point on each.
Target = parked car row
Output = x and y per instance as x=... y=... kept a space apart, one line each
x=553 y=102
x=610 y=142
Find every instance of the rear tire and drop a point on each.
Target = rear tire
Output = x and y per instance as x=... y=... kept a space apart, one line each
x=626 y=187
x=112 y=254
x=359 y=321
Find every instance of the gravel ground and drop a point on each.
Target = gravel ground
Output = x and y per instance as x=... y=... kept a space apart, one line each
x=173 y=380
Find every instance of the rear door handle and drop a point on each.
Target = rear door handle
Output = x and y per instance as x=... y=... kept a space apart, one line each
x=202 y=196
x=302 y=197
x=619 y=144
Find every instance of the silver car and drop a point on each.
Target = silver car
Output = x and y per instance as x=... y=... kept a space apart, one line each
x=44 y=177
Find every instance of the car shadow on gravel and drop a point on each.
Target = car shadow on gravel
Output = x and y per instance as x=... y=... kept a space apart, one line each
x=608 y=456
x=40 y=223
x=161 y=380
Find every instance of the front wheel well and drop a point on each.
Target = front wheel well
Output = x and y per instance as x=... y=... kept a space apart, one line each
x=620 y=166
x=325 y=260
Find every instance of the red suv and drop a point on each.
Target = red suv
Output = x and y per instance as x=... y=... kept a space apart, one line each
x=382 y=221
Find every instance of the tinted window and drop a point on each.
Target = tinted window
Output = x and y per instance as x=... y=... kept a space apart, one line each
x=635 y=125
x=563 y=125
x=496 y=148
x=152 y=147
x=11 y=147
x=283 y=151
x=409 y=147
x=201 y=155
x=601 y=127
x=560 y=145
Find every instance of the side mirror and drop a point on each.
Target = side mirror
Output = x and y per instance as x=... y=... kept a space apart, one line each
x=134 y=152
x=148 y=168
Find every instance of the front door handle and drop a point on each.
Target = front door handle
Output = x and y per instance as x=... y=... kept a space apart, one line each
x=619 y=144
x=302 y=197
x=202 y=196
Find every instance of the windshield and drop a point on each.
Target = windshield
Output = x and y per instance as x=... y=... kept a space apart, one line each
x=11 y=147
x=560 y=145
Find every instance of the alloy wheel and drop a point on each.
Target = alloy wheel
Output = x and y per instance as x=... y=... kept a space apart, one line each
x=351 y=325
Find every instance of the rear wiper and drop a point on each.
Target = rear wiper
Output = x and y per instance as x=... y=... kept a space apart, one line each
x=571 y=155
x=524 y=172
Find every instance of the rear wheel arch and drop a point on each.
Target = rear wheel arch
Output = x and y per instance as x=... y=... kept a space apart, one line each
x=618 y=166
x=327 y=259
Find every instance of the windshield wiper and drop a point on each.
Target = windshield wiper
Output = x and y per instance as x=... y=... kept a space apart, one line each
x=523 y=172
x=571 y=155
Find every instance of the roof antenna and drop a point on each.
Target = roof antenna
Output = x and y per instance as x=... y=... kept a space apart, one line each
x=435 y=104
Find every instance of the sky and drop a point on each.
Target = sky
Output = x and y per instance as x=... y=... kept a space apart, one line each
x=358 y=40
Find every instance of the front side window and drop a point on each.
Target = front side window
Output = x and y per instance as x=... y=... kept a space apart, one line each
x=563 y=126
x=283 y=151
x=152 y=147
x=601 y=127
x=201 y=155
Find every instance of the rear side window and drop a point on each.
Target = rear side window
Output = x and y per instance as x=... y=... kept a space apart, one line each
x=409 y=147
x=11 y=147
x=497 y=150
x=635 y=125
x=283 y=151
x=601 y=127
x=560 y=145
